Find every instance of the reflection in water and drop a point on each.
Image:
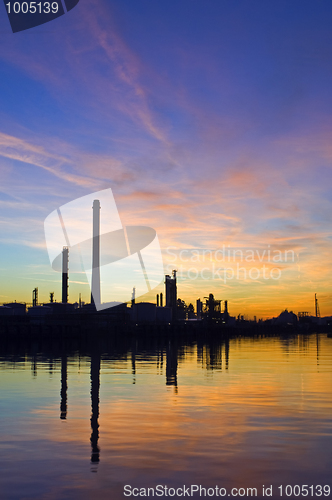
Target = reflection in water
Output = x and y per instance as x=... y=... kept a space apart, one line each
x=50 y=366
x=259 y=419
x=214 y=357
x=34 y=359
x=34 y=366
x=133 y=362
x=94 y=376
x=95 y=383
x=160 y=361
x=63 y=392
x=226 y=352
x=317 y=346
x=172 y=365
x=210 y=355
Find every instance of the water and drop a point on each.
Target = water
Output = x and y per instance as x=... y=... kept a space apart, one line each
x=82 y=419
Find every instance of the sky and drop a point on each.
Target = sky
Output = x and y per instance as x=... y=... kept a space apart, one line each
x=209 y=120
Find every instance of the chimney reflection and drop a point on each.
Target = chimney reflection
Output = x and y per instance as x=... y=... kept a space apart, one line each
x=133 y=363
x=226 y=352
x=50 y=366
x=172 y=365
x=317 y=347
x=160 y=360
x=63 y=392
x=34 y=365
x=94 y=376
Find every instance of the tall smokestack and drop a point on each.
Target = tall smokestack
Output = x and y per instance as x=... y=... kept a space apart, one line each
x=95 y=283
x=65 y=258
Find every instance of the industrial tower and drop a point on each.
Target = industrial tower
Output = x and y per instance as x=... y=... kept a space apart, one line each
x=95 y=281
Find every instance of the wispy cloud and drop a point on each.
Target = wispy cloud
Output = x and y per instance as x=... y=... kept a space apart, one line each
x=24 y=151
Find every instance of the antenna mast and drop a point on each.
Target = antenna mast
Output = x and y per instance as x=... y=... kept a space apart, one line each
x=317 y=311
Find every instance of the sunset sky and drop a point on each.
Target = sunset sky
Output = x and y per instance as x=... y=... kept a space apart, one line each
x=211 y=122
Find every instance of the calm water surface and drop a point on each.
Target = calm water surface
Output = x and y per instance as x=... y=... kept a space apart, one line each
x=81 y=420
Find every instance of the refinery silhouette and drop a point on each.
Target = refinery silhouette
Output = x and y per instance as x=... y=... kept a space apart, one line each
x=171 y=315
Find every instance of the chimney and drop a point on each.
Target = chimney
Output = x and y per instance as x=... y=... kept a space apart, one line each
x=65 y=258
x=35 y=297
x=95 y=282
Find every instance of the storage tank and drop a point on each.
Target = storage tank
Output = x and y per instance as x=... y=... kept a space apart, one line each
x=164 y=315
x=39 y=311
x=6 y=311
x=144 y=312
x=19 y=309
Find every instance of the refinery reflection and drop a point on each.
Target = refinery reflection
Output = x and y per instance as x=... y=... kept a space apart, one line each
x=166 y=354
x=197 y=408
x=95 y=384
x=212 y=355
